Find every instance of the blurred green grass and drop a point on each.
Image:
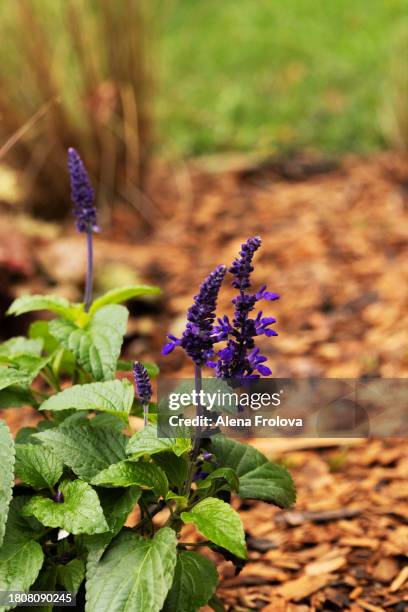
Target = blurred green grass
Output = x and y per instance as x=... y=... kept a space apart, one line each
x=268 y=76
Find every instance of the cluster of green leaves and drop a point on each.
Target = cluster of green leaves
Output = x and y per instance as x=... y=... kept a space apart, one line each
x=68 y=485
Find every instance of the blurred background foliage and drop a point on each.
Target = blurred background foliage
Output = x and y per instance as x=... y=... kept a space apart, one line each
x=124 y=79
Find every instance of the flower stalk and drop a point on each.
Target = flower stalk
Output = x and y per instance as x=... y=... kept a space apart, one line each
x=82 y=195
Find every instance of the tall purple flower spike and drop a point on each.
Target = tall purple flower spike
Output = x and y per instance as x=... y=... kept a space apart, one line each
x=82 y=194
x=240 y=359
x=198 y=337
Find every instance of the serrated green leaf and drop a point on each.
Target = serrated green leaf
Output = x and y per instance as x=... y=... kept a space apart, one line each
x=224 y=474
x=258 y=477
x=195 y=580
x=6 y=475
x=53 y=303
x=134 y=574
x=19 y=567
x=37 y=465
x=30 y=365
x=71 y=575
x=20 y=345
x=21 y=557
x=113 y=396
x=146 y=441
x=122 y=294
x=97 y=345
x=87 y=450
x=11 y=376
x=80 y=512
x=219 y=523
x=128 y=473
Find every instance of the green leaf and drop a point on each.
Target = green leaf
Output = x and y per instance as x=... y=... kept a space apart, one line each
x=37 y=466
x=40 y=330
x=176 y=468
x=258 y=477
x=128 y=473
x=6 y=475
x=71 y=575
x=21 y=346
x=80 y=512
x=122 y=294
x=152 y=369
x=225 y=475
x=21 y=557
x=54 y=303
x=219 y=523
x=146 y=441
x=96 y=346
x=11 y=376
x=113 y=396
x=134 y=574
x=23 y=436
x=30 y=365
x=117 y=504
x=104 y=419
x=195 y=580
x=19 y=566
x=15 y=396
x=85 y=449
x=46 y=581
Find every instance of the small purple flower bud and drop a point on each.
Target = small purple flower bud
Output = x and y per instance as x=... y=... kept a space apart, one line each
x=142 y=382
x=82 y=194
x=199 y=475
x=58 y=497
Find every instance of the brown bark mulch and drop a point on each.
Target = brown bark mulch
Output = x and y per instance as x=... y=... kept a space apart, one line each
x=335 y=247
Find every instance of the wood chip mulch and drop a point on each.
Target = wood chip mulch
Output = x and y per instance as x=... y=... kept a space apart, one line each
x=335 y=241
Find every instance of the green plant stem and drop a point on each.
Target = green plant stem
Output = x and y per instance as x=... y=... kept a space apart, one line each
x=197 y=438
x=148 y=519
x=89 y=271
x=196 y=544
x=145 y=414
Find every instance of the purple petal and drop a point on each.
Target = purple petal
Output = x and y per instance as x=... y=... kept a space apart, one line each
x=270 y=333
x=268 y=295
x=264 y=370
x=168 y=348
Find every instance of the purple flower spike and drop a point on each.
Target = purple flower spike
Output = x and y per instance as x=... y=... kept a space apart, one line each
x=240 y=359
x=142 y=382
x=242 y=265
x=198 y=337
x=82 y=194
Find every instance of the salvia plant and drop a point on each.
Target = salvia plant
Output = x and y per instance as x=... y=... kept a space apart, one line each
x=69 y=484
